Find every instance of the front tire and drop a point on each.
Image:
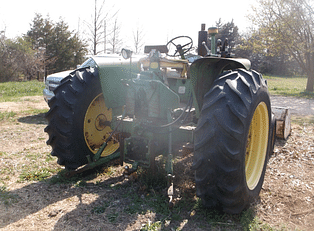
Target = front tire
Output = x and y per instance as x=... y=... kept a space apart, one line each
x=232 y=141
x=78 y=119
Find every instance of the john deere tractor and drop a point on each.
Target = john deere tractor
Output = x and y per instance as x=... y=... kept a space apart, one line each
x=135 y=109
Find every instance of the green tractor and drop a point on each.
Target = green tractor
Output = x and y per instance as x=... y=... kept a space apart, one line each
x=135 y=109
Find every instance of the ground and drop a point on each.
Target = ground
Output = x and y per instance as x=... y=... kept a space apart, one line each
x=107 y=201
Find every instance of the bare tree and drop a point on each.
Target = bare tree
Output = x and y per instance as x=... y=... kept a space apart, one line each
x=97 y=32
x=115 y=40
x=288 y=25
x=138 y=37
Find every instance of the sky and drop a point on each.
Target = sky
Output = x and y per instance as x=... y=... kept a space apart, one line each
x=160 y=20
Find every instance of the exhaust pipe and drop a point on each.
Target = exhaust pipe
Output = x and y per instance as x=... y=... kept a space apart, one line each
x=202 y=38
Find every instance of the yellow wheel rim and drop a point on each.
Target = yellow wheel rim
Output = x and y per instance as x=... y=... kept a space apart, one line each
x=256 y=147
x=97 y=127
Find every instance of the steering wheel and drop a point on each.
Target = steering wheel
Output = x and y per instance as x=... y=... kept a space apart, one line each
x=175 y=48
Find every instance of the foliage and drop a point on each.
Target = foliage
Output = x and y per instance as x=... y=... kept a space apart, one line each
x=228 y=31
x=17 y=59
x=46 y=48
x=287 y=27
x=59 y=48
x=262 y=59
x=67 y=48
x=36 y=175
x=152 y=226
x=250 y=45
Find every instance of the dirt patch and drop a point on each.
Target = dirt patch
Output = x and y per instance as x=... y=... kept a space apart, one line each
x=297 y=106
x=105 y=200
x=25 y=103
x=287 y=197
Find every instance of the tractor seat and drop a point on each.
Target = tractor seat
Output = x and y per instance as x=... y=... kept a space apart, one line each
x=178 y=64
x=161 y=48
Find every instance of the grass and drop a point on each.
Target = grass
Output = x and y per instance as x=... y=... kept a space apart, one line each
x=36 y=174
x=6 y=197
x=12 y=91
x=6 y=115
x=152 y=226
x=303 y=120
x=101 y=208
x=288 y=86
x=112 y=217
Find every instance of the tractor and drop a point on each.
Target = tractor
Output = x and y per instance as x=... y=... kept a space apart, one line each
x=136 y=108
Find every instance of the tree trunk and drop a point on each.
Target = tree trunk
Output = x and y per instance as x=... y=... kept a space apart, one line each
x=310 y=83
x=310 y=74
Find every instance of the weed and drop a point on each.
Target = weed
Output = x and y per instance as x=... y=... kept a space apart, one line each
x=6 y=171
x=100 y=209
x=36 y=175
x=35 y=111
x=6 y=115
x=152 y=180
x=152 y=226
x=80 y=183
x=151 y=186
x=48 y=156
x=159 y=203
x=61 y=178
x=135 y=205
x=6 y=197
x=112 y=217
x=108 y=171
x=249 y=221
x=302 y=120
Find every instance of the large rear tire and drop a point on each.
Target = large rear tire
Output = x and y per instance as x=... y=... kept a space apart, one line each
x=78 y=119
x=232 y=141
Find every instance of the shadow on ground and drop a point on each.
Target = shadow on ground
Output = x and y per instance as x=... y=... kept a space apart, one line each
x=34 y=119
x=91 y=201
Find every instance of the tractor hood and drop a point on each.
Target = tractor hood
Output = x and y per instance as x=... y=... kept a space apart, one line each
x=115 y=60
x=113 y=69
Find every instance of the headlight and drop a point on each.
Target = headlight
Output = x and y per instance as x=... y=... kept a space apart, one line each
x=126 y=54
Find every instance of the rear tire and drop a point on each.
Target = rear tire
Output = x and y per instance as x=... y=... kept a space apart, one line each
x=78 y=119
x=232 y=141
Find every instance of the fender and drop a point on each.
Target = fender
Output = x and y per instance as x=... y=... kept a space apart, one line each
x=111 y=71
x=204 y=71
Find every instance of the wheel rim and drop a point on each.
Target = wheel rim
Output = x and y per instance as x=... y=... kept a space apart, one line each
x=256 y=147
x=97 y=127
